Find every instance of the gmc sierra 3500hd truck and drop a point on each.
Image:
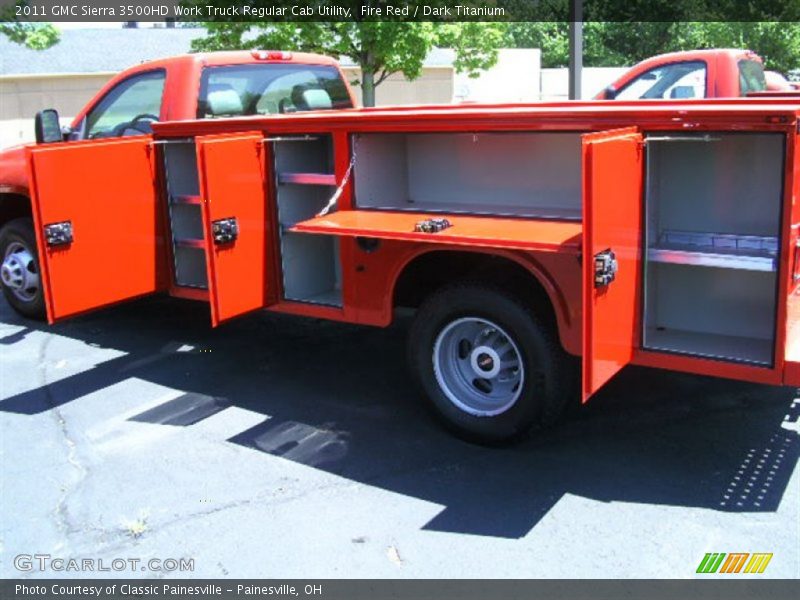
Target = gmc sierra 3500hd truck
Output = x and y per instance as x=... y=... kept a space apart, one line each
x=653 y=233
x=656 y=233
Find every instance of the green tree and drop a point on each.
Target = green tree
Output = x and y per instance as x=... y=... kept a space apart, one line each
x=778 y=43
x=36 y=36
x=626 y=43
x=379 y=48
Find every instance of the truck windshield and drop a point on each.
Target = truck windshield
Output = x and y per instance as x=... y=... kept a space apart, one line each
x=269 y=89
x=751 y=77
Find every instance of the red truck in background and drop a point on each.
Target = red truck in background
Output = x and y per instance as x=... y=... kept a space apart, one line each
x=212 y=85
x=716 y=73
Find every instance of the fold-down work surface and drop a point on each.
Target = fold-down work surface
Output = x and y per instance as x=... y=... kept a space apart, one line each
x=492 y=232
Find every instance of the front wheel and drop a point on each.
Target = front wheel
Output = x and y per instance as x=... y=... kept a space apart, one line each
x=19 y=272
x=489 y=366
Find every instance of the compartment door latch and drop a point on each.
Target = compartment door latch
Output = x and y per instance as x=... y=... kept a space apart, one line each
x=58 y=234
x=432 y=225
x=605 y=268
x=225 y=231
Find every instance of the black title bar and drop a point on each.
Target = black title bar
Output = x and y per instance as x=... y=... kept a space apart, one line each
x=344 y=589
x=398 y=10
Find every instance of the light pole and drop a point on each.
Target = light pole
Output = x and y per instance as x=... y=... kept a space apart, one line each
x=575 y=48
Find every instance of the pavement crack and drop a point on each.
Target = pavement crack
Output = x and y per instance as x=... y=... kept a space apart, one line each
x=61 y=510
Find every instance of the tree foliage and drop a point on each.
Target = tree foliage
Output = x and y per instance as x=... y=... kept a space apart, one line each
x=36 y=36
x=618 y=43
x=379 y=48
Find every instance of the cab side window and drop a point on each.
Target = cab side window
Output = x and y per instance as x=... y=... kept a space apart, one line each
x=681 y=80
x=129 y=108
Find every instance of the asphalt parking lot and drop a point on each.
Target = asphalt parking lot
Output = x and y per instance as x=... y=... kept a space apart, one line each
x=281 y=447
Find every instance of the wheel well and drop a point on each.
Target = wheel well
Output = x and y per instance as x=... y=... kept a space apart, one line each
x=432 y=270
x=14 y=206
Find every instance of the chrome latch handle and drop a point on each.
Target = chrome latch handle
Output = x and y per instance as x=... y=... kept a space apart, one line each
x=58 y=234
x=605 y=268
x=225 y=231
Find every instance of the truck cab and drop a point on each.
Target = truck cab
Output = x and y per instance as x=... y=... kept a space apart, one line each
x=726 y=73
x=191 y=86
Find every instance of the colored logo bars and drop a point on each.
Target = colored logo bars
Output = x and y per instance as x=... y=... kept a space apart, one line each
x=719 y=562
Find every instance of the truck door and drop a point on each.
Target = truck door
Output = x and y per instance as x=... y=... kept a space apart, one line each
x=98 y=223
x=612 y=221
x=235 y=219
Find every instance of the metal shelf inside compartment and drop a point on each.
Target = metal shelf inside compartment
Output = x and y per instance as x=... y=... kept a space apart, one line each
x=186 y=199
x=710 y=345
x=747 y=252
x=331 y=297
x=306 y=178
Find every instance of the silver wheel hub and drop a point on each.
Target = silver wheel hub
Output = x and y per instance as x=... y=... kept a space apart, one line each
x=19 y=273
x=485 y=362
x=478 y=366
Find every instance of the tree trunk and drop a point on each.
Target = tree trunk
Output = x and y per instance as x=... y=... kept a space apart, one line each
x=367 y=87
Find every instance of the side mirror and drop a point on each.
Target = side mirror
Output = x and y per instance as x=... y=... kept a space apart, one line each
x=48 y=127
x=611 y=93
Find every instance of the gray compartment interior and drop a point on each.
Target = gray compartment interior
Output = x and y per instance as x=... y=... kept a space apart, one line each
x=711 y=311
x=310 y=263
x=190 y=267
x=186 y=224
x=533 y=174
x=301 y=202
x=311 y=268
x=713 y=209
x=180 y=161
x=303 y=154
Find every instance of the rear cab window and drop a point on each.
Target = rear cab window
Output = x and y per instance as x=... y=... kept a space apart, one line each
x=238 y=90
x=751 y=77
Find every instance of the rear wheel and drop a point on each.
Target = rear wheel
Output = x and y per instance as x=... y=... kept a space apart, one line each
x=489 y=366
x=19 y=272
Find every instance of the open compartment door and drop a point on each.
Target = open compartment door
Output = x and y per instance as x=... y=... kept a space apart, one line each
x=98 y=223
x=235 y=220
x=612 y=239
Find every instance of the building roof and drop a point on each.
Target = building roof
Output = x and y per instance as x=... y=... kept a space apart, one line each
x=112 y=50
x=95 y=50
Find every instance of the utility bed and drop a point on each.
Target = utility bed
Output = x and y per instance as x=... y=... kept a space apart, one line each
x=660 y=233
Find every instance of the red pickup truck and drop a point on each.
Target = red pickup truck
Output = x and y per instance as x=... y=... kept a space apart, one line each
x=662 y=233
x=219 y=84
x=718 y=73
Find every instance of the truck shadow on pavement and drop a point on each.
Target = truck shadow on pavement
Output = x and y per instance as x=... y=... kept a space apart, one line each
x=338 y=398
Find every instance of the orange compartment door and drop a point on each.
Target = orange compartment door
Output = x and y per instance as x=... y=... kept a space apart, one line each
x=98 y=223
x=612 y=216
x=236 y=225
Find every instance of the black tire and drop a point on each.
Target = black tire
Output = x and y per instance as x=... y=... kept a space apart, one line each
x=16 y=232
x=545 y=388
